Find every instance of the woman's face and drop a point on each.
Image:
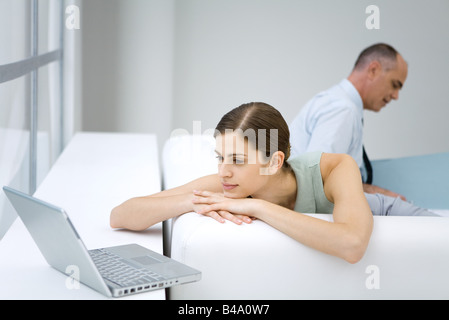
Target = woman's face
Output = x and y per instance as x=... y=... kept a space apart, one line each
x=240 y=166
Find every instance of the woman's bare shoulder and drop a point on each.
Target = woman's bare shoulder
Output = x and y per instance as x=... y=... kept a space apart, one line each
x=330 y=161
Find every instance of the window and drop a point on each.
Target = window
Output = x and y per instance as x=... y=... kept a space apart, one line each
x=31 y=91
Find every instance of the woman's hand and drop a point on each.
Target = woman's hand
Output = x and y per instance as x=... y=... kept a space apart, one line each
x=217 y=206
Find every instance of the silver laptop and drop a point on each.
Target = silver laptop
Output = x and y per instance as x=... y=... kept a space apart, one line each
x=114 y=271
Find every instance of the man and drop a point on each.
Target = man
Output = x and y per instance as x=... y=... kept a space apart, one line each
x=333 y=120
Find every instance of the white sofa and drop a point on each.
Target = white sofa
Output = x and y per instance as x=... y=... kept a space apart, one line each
x=407 y=258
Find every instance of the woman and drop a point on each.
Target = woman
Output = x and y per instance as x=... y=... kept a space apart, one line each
x=257 y=180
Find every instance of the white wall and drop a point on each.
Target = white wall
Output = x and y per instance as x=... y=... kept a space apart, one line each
x=128 y=66
x=209 y=56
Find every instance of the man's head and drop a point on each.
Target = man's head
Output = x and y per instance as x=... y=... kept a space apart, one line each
x=379 y=73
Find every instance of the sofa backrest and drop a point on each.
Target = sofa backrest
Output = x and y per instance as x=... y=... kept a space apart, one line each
x=187 y=157
x=421 y=179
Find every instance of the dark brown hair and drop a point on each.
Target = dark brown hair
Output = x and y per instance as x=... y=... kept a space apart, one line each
x=260 y=118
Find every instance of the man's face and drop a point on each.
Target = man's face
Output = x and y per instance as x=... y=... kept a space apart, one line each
x=385 y=85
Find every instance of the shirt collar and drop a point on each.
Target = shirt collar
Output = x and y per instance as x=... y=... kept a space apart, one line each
x=352 y=93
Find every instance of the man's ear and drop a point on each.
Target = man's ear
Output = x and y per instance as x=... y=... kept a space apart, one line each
x=374 y=69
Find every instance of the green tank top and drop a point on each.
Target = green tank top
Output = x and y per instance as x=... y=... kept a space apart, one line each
x=310 y=197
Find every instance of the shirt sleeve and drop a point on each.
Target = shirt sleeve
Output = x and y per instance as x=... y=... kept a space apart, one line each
x=332 y=129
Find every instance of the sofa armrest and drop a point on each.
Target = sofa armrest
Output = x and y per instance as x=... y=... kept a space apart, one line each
x=407 y=258
x=185 y=158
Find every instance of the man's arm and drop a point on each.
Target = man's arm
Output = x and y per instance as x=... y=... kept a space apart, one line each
x=370 y=188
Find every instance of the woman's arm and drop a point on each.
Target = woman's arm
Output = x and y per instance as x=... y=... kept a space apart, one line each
x=142 y=212
x=347 y=237
x=343 y=186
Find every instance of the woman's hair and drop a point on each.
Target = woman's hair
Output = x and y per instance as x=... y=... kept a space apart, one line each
x=262 y=122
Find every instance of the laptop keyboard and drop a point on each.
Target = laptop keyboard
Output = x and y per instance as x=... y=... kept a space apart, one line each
x=117 y=270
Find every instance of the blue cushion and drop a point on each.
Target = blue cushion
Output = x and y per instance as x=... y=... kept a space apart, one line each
x=423 y=180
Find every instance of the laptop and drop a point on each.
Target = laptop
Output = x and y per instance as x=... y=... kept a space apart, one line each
x=114 y=271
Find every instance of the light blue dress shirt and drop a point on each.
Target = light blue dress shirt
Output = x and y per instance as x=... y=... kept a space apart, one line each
x=332 y=121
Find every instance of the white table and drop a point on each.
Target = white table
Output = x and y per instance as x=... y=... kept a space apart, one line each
x=96 y=172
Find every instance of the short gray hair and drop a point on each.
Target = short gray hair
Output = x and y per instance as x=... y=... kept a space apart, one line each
x=385 y=54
